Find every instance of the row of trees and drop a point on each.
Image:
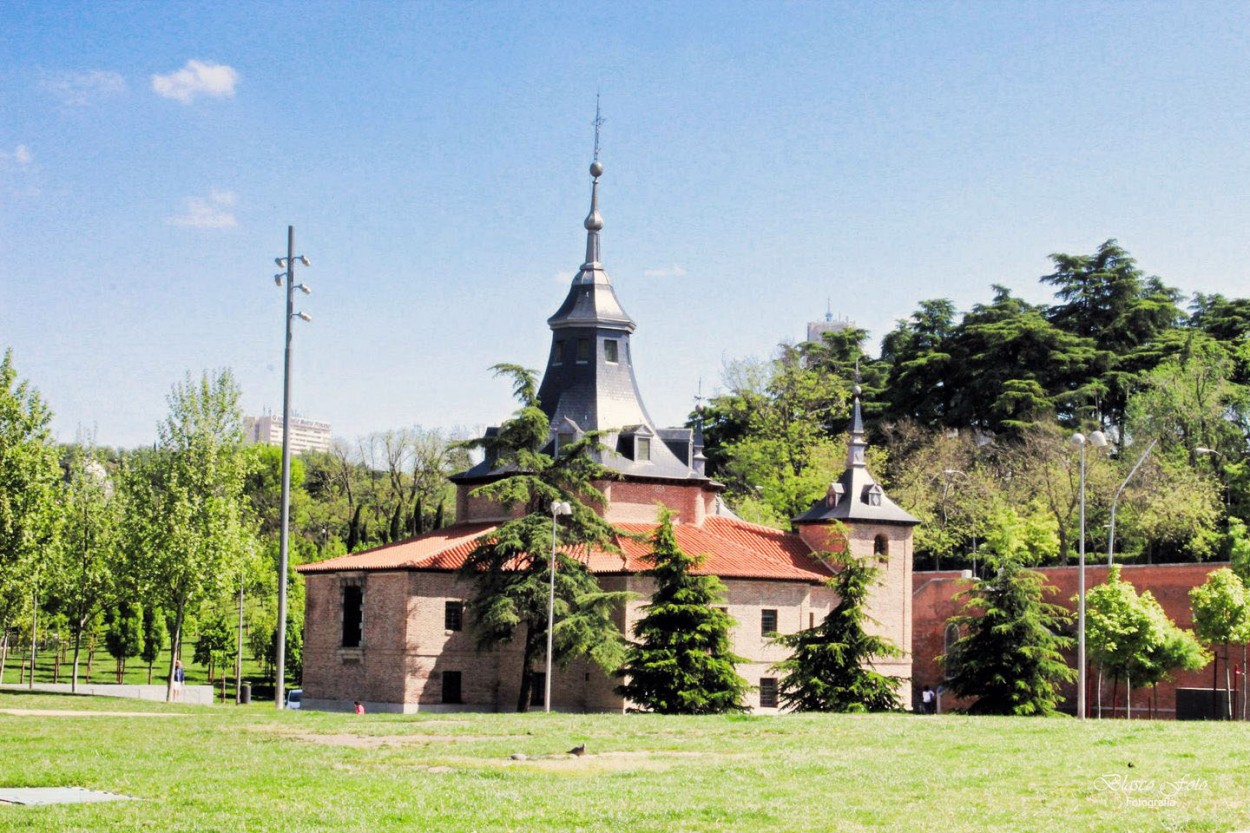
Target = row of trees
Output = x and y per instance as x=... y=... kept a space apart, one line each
x=971 y=417
x=130 y=550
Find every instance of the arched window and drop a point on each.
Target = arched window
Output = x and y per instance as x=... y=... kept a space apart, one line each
x=881 y=547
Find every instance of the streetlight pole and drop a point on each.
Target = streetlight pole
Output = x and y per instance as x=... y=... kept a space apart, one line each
x=1115 y=501
x=559 y=508
x=1098 y=440
x=284 y=535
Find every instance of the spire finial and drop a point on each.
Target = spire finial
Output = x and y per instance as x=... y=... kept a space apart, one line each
x=598 y=122
x=594 y=222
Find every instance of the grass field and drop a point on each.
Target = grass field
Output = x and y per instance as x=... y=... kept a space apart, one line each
x=229 y=768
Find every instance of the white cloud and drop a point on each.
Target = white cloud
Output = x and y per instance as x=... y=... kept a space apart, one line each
x=673 y=271
x=207 y=213
x=78 y=89
x=196 y=79
x=21 y=155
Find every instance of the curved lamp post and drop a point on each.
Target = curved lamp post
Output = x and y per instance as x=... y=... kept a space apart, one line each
x=559 y=509
x=1116 y=500
x=1098 y=440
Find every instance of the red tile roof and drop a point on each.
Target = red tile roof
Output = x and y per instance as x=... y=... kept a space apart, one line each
x=731 y=548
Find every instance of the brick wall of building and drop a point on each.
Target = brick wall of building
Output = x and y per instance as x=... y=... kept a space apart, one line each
x=934 y=603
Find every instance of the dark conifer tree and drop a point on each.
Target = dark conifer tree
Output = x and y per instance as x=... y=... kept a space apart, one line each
x=830 y=668
x=1009 y=655
x=683 y=663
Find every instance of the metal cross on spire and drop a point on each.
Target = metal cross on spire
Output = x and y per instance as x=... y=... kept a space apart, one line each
x=598 y=122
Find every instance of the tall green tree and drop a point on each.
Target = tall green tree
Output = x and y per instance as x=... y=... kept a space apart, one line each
x=1104 y=297
x=89 y=569
x=28 y=483
x=830 y=668
x=510 y=567
x=1221 y=610
x=189 y=524
x=682 y=662
x=154 y=636
x=1009 y=654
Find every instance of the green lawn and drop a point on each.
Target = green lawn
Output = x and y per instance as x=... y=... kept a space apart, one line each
x=228 y=768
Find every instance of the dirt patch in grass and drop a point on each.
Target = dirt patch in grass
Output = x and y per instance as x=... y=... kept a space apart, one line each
x=377 y=741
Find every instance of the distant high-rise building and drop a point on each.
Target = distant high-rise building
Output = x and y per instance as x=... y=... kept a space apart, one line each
x=817 y=329
x=306 y=434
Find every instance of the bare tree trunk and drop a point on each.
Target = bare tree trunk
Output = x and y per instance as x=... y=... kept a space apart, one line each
x=4 y=649
x=1128 y=695
x=527 y=676
x=175 y=647
x=1100 y=692
x=73 y=680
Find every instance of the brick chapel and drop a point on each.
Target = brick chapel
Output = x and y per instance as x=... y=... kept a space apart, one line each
x=390 y=626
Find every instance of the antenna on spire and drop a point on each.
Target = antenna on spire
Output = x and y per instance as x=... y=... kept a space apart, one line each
x=598 y=122
x=828 y=310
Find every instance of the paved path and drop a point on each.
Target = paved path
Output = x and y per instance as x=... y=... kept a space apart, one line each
x=85 y=713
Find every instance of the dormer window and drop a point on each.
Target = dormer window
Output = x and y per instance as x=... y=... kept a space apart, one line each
x=564 y=439
x=872 y=495
x=642 y=449
x=611 y=350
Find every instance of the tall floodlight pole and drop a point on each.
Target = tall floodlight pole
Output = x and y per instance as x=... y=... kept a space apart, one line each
x=1098 y=440
x=287 y=277
x=559 y=509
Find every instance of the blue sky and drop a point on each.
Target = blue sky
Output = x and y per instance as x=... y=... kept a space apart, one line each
x=762 y=160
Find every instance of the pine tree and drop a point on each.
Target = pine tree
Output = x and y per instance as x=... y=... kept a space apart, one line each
x=830 y=668
x=1009 y=656
x=683 y=663
x=510 y=567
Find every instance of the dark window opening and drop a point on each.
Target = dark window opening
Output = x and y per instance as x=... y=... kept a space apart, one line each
x=881 y=546
x=611 y=350
x=583 y=350
x=768 y=692
x=353 y=615
x=564 y=439
x=768 y=622
x=642 y=449
x=557 y=352
x=453 y=616
x=451 y=687
x=538 y=688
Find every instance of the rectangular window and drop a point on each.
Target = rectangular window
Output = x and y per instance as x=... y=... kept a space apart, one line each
x=583 y=350
x=768 y=692
x=557 y=352
x=451 y=687
x=538 y=688
x=611 y=350
x=353 y=615
x=642 y=449
x=453 y=616
x=768 y=622
x=564 y=439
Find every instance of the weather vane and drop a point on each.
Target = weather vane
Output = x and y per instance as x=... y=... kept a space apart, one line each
x=598 y=122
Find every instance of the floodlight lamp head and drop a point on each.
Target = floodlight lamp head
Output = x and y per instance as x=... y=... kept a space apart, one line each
x=304 y=260
x=304 y=316
x=305 y=288
x=281 y=261
x=277 y=279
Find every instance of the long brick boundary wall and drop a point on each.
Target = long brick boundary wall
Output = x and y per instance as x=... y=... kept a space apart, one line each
x=934 y=602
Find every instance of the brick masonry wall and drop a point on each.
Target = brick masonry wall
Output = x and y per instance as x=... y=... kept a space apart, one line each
x=934 y=603
x=891 y=599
